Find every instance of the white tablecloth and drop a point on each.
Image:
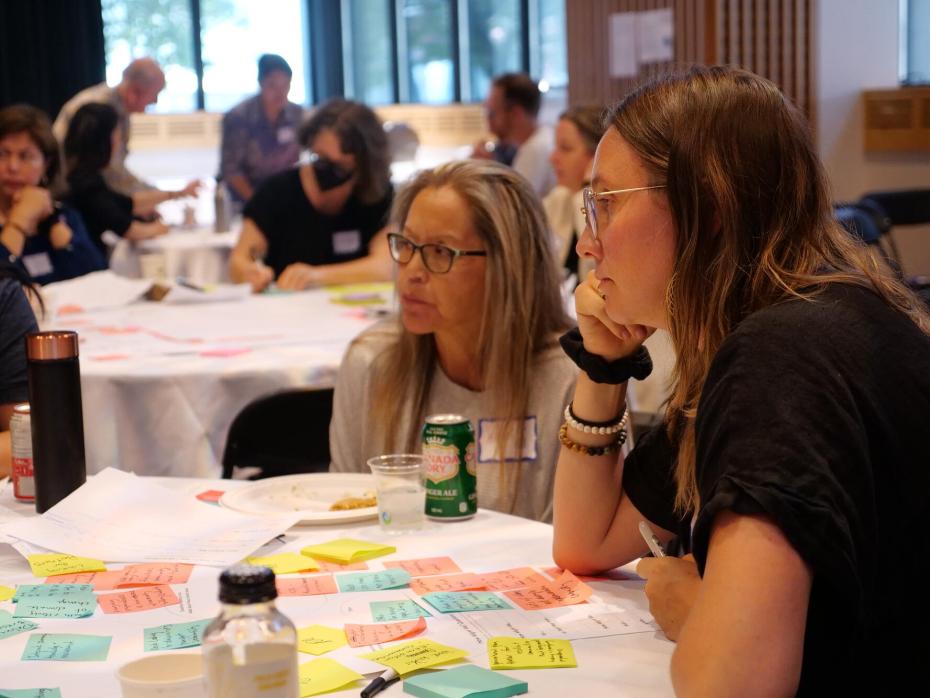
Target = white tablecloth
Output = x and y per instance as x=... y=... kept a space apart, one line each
x=162 y=383
x=199 y=255
x=624 y=665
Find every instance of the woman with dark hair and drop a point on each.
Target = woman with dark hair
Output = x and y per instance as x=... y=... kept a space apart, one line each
x=793 y=455
x=93 y=136
x=45 y=238
x=322 y=222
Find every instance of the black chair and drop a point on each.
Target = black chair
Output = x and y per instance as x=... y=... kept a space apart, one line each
x=281 y=434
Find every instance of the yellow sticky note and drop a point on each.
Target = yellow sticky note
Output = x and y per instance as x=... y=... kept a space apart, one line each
x=6 y=593
x=50 y=564
x=322 y=675
x=416 y=654
x=284 y=563
x=348 y=550
x=320 y=639
x=524 y=653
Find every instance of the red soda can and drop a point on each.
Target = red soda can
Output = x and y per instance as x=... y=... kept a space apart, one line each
x=24 y=483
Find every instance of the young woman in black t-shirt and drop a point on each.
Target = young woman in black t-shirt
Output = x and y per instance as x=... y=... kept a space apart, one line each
x=793 y=440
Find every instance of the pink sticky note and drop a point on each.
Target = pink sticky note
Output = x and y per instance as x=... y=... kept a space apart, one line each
x=109 y=357
x=211 y=496
x=307 y=586
x=154 y=574
x=565 y=590
x=516 y=578
x=226 y=352
x=376 y=633
x=328 y=566
x=102 y=581
x=602 y=577
x=426 y=566
x=70 y=309
x=142 y=599
x=449 y=582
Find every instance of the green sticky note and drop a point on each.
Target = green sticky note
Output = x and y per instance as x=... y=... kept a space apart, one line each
x=30 y=693
x=464 y=601
x=65 y=607
x=60 y=647
x=347 y=550
x=10 y=626
x=47 y=591
x=174 y=636
x=373 y=581
x=392 y=611
x=468 y=681
x=530 y=653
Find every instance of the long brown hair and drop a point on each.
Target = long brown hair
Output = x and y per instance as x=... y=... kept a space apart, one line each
x=752 y=217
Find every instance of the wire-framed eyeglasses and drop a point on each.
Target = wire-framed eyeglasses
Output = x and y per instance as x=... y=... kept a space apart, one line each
x=436 y=258
x=591 y=203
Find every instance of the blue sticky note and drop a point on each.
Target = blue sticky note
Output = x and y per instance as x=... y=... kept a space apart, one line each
x=64 y=607
x=174 y=636
x=30 y=693
x=61 y=647
x=467 y=681
x=52 y=591
x=10 y=626
x=463 y=601
x=391 y=611
x=393 y=578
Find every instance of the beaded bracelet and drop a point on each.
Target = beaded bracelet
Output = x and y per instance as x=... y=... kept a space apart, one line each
x=587 y=427
x=591 y=450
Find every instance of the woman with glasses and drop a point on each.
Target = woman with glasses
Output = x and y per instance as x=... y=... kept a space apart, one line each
x=793 y=457
x=322 y=222
x=480 y=312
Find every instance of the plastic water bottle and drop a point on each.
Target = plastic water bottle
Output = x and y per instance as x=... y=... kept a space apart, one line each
x=221 y=205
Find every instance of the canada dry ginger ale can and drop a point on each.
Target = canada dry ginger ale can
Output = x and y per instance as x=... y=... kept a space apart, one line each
x=451 y=479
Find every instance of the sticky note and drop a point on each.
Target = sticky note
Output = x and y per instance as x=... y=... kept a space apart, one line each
x=416 y=654
x=154 y=574
x=285 y=563
x=322 y=675
x=10 y=626
x=329 y=566
x=30 y=692
x=319 y=639
x=306 y=586
x=348 y=550
x=448 y=582
x=526 y=653
x=373 y=581
x=46 y=591
x=426 y=566
x=6 y=593
x=512 y=579
x=64 y=607
x=174 y=636
x=467 y=681
x=565 y=590
x=141 y=599
x=377 y=633
x=391 y=611
x=101 y=581
x=210 y=496
x=462 y=601
x=60 y=647
x=48 y=564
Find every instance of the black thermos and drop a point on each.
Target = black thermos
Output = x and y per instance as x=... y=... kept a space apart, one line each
x=57 y=417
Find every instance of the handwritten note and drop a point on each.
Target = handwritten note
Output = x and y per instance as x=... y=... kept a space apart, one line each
x=426 y=566
x=154 y=574
x=465 y=601
x=348 y=550
x=565 y=590
x=60 y=647
x=392 y=611
x=416 y=654
x=63 y=607
x=285 y=563
x=450 y=582
x=10 y=626
x=307 y=586
x=6 y=593
x=101 y=581
x=524 y=653
x=512 y=579
x=329 y=566
x=462 y=682
x=319 y=639
x=45 y=591
x=48 y=564
x=30 y=692
x=378 y=633
x=174 y=636
x=373 y=581
x=142 y=599
x=323 y=675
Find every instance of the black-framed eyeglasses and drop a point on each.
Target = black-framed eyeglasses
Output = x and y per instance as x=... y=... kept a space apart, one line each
x=592 y=199
x=437 y=258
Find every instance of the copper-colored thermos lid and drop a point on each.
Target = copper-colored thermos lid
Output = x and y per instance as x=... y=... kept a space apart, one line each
x=48 y=346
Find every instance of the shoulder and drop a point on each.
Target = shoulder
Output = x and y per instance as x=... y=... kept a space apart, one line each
x=14 y=307
x=294 y=112
x=364 y=349
x=281 y=184
x=552 y=368
x=540 y=142
x=241 y=111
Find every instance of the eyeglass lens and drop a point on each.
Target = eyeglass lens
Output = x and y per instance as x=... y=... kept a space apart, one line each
x=437 y=258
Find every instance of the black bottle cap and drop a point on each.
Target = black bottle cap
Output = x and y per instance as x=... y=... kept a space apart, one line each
x=243 y=584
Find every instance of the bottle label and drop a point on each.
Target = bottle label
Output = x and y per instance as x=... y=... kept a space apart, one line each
x=264 y=670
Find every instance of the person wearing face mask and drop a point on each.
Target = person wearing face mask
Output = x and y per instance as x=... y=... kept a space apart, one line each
x=322 y=222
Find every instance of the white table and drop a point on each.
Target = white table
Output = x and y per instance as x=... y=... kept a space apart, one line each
x=162 y=383
x=197 y=254
x=624 y=665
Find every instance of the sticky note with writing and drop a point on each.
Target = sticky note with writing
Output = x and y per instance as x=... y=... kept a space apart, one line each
x=330 y=566
x=285 y=563
x=154 y=574
x=6 y=593
x=463 y=601
x=319 y=639
x=512 y=579
x=377 y=633
x=324 y=675
x=45 y=591
x=391 y=611
x=141 y=599
x=48 y=564
x=565 y=590
x=448 y=582
x=416 y=654
x=101 y=581
x=60 y=647
x=174 y=636
x=306 y=586
x=426 y=566
x=10 y=626
x=30 y=692
x=467 y=681
x=527 y=653
x=373 y=581
x=347 y=550
x=61 y=607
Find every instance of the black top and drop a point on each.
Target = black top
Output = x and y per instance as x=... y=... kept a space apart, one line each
x=813 y=414
x=16 y=321
x=297 y=232
x=101 y=207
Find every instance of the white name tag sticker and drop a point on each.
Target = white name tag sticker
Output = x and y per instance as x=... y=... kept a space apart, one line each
x=38 y=264
x=285 y=135
x=490 y=431
x=347 y=241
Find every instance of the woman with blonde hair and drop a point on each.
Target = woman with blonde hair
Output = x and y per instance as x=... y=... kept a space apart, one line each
x=480 y=313
x=793 y=453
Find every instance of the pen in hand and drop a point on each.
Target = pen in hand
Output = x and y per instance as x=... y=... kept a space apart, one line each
x=380 y=683
x=651 y=539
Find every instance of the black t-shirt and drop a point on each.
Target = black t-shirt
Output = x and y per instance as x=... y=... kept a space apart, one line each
x=102 y=208
x=814 y=414
x=16 y=320
x=297 y=232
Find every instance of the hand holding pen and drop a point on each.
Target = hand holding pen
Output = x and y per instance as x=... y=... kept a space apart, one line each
x=672 y=584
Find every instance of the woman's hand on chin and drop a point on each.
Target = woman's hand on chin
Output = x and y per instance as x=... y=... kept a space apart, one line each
x=603 y=336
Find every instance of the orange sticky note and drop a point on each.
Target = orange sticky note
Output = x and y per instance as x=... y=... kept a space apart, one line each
x=426 y=566
x=102 y=581
x=210 y=496
x=329 y=566
x=154 y=574
x=565 y=590
x=515 y=578
x=377 y=633
x=142 y=599
x=602 y=577
x=307 y=586
x=449 y=582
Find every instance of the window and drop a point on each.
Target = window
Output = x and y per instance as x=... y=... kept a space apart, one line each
x=548 y=50
x=493 y=30
x=916 y=42
x=424 y=37
x=368 y=53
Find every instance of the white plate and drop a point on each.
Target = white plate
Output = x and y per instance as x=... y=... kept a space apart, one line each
x=310 y=494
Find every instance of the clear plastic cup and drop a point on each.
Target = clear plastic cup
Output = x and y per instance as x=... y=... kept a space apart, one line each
x=400 y=490
x=163 y=676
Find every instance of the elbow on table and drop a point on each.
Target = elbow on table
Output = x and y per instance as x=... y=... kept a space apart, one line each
x=574 y=558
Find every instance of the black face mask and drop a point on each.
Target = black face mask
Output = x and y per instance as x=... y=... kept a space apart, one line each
x=329 y=175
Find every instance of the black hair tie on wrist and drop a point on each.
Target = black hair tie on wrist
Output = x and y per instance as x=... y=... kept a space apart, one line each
x=638 y=365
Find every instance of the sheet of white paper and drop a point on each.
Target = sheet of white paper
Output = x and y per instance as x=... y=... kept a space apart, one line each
x=182 y=295
x=94 y=291
x=622 y=43
x=118 y=517
x=6 y=516
x=655 y=34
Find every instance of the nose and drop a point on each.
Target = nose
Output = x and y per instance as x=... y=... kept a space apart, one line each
x=415 y=269
x=588 y=245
